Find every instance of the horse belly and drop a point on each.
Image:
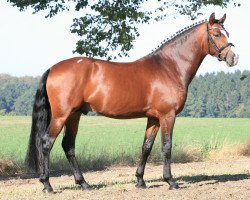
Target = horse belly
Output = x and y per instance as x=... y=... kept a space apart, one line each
x=118 y=104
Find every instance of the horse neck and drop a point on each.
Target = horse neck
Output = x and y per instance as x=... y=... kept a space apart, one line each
x=183 y=55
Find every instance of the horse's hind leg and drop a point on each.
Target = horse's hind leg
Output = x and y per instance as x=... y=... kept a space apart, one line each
x=151 y=131
x=68 y=144
x=48 y=140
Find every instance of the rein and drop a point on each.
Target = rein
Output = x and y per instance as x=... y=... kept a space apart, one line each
x=217 y=49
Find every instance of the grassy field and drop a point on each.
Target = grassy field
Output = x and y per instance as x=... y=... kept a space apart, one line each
x=102 y=142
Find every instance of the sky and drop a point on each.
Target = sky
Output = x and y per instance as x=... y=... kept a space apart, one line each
x=31 y=43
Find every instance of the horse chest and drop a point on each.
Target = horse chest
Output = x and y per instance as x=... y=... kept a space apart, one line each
x=168 y=98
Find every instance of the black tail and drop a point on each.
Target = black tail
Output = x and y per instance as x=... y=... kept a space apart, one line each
x=40 y=121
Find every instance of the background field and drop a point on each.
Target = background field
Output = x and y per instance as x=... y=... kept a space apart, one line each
x=102 y=142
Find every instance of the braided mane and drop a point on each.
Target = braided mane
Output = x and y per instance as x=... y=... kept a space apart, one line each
x=177 y=34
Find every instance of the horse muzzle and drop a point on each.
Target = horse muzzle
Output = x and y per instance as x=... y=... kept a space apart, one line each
x=232 y=58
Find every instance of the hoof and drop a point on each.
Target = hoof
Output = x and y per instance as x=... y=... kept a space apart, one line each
x=141 y=185
x=48 y=190
x=174 y=187
x=85 y=186
x=172 y=184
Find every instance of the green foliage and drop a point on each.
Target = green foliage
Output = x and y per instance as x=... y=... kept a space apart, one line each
x=17 y=94
x=2 y=112
x=109 y=26
x=245 y=109
x=23 y=104
x=218 y=95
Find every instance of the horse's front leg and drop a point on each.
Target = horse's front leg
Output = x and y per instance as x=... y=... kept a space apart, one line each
x=151 y=131
x=167 y=125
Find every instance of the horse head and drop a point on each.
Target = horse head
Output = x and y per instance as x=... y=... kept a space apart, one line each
x=218 y=45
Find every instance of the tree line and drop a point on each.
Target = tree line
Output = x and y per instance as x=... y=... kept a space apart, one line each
x=219 y=95
x=210 y=95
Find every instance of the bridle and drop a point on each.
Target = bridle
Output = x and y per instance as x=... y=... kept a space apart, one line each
x=217 y=49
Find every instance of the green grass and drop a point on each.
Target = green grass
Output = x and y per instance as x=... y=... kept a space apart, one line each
x=101 y=141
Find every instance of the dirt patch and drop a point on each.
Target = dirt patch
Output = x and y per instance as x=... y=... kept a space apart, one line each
x=223 y=179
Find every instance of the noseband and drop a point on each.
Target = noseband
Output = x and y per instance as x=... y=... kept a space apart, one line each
x=217 y=49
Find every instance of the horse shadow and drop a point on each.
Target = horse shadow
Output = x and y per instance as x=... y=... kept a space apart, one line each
x=211 y=179
x=208 y=179
x=216 y=178
x=183 y=180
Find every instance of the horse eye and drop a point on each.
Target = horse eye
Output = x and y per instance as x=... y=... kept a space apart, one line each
x=217 y=35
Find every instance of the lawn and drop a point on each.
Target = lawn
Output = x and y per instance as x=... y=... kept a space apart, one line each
x=102 y=141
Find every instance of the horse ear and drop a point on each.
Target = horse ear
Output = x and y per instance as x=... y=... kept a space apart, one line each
x=212 y=19
x=221 y=20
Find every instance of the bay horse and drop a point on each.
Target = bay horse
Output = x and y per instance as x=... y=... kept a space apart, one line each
x=154 y=86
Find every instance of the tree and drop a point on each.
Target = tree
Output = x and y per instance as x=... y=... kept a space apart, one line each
x=17 y=94
x=108 y=26
x=24 y=103
x=245 y=112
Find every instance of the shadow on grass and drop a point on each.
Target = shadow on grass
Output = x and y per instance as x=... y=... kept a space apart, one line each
x=211 y=179
x=201 y=178
x=215 y=178
x=77 y=187
x=186 y=179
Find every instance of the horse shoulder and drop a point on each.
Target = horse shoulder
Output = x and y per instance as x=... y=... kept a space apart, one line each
x=166 y=96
